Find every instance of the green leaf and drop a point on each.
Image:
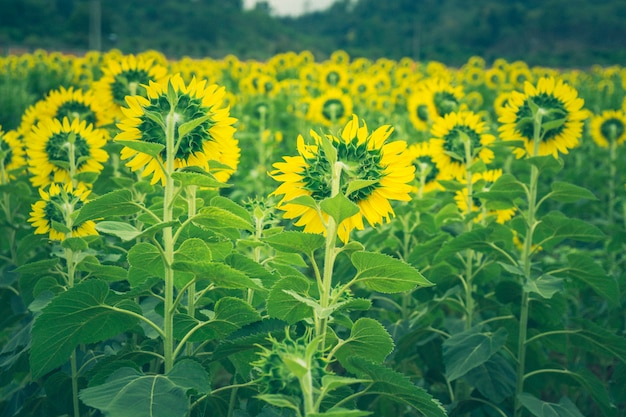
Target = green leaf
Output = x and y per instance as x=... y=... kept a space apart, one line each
x=107 y=272
x=546 y=286
x=190 y=374
x=395 y=386
x=285 y=307
x=81 y=315
x=37 y=267
x=599 y=341
x=368 y=339
x=570 y=193
x=332 y=382
x=222 y=275
x=385 y=274
x=585 y=269
x=197 y=179
x=546 y=163
x=115 y=203
x=88 y=177
x=123 y=230
x=75 y=244
x=464 y=351
x=149 y=148
x=216 y=218
x=506 y=189
x=340 y=412
x=279 y=400
x=147 y=257
x=295 y=242
x=187 y=127
x=193 y=250
x=592 y=385
x=451 y=185
x=495 y=379
x=356 y=185
x=339 y=207
x=130 y=393
x=230 y=314
x=539 y=408
x=304 y=200
x=555 y=227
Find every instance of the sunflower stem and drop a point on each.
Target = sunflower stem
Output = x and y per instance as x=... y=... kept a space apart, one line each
x=168 y=241
x=527 y=250
x=329 y=253
x=191 y=290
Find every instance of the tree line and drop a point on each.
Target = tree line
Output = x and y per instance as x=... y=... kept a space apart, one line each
x=562 y=33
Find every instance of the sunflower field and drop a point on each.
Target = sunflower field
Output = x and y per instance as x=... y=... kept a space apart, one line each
x=303 y=238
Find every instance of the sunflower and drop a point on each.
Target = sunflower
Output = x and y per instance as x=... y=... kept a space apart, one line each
x=211 y=140
x=11 y=155
x=448 y=143
x=59 y=150
x=433 y=97
x=53 y=213
x=482 y=181
x=76 y=104
x=126 y=76
x=426 y=171
x=364 y=156
x=561 y=113
x=331 y=108
x=608 y=128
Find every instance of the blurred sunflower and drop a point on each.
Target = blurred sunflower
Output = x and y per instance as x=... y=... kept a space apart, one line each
x=11 y=155
x=170 y=100
x=433 y=98
x=364 y=156
x=59 y=150
x=126 y=76
x=76 y=104
x=561 y=115
x=451 y=134
x=482 y=181
x=426 y=171
x=608 y=128
x=53 y=213
x=331 y=108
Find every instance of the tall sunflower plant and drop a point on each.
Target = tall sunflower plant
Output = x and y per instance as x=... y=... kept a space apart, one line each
x=335 y=183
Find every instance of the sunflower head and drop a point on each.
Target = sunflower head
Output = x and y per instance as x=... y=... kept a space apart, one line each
x=363 y=166
x=11 y=155
x=190 y=124
x=65 y=151
x=459 y=140
x=609 y=128
x=53 y=213
x=546 y=118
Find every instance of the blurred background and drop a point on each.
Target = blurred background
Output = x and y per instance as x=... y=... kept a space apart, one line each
x=559 y=33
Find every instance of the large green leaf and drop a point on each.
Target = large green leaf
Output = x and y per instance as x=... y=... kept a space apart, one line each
x=339 y=207
x=546 y=286
x=539 y=408
x=190 y=374
x=340 y=412
x=295 y=242
x=585 y=269
x=479 y=238
x=495 y=379
x=385 y=274
x=368 y=339
x=81 y=315
x=507 y=189
x=570 y=193
x=147 y=257
x=217 y=218
x=465 y=351
x=222 y=275
x=395 y=386
x=130 y=393
x=197 y=177
x=284 y=306
x=115 y=203
x=555 y=227
x=230 y=314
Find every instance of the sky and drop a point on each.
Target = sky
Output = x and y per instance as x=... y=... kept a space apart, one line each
x=292 y=7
